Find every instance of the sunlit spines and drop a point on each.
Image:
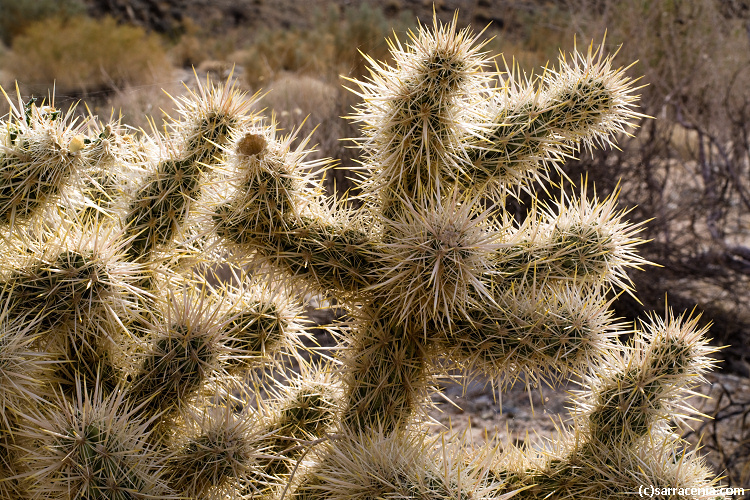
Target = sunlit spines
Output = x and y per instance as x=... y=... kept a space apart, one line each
x=332 y=249
x=359 y=466
x=675 y=348
x=112 y=143
x=433 y=260
x=622 y=434
x=536 y=123
x=161 y=206
x=588 y=240
x=589 y=100
x=210 y=118
x=276 y=208
x=90 y=447
x=218 y=457
x=71 y=292
x=70 y=275
x=22 y=370
x=550 y=333
x=42 y=149
x=386 y=373
x=10 y=486
x=417 y=114
x=183 y=352
x=268 y=185
x=574 y=239
x=572 y=467
x=261 y=321
x=637 y=394
x=303 y=416
x=113 y=160
x=518 y=144
x=437 y=274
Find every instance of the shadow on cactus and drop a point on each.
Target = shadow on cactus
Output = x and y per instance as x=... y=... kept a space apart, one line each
x=130 y=370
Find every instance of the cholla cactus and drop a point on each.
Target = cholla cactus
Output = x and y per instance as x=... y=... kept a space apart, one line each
x=128 y=370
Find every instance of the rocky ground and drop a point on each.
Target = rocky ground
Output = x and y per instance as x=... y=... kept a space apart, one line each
x=168 y=15
x=522 y=416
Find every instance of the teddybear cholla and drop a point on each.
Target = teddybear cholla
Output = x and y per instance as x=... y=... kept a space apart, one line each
x=128 y=369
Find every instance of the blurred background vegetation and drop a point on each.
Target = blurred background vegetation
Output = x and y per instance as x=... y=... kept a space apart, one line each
x=688 y=170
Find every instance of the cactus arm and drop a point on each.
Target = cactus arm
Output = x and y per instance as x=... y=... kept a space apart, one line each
x=537 y=123
x=386 y=377
x=415 y=114
x=161 y=207
x=551 y=332
x=622 y=434
x=209 y=122
x=40 y=150
x=578 y=239
x=275 y=214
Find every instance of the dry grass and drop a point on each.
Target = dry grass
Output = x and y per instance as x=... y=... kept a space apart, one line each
x=19 y=14
x=84 y=55
x=140 y=106
x=296 y=98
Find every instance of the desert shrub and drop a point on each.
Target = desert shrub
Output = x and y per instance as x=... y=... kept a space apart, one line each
x=17 y=15
x=276 y=52
x=139 y=106
x=364 y=29
x=191 y=43
x=190 y=47
x=689 y=169
x=328 y=50
x=323 y=106
x=83 y=55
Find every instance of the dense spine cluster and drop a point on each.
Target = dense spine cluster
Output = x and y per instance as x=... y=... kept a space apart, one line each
x=150 y=285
